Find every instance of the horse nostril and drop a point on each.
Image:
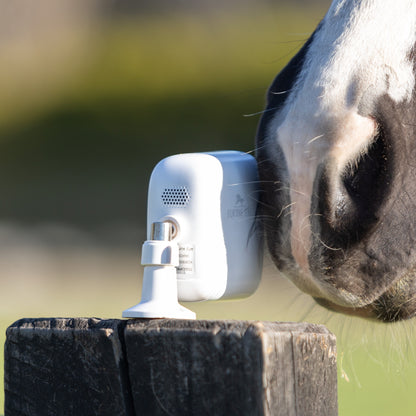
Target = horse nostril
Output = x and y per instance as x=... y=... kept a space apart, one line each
x=364 y=186
x=368 y=172
x=344 y=214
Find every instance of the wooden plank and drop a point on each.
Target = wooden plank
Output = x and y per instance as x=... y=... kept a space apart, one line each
x=65 y=367
x=231 y=368
x=302 y=370
x=169 y=367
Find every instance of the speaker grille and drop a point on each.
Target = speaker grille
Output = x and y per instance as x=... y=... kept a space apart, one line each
x=176 y=197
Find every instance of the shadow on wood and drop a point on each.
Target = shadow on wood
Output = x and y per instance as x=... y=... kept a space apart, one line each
x=169 y=367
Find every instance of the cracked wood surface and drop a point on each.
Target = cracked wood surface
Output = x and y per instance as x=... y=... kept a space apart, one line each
x=88 y=366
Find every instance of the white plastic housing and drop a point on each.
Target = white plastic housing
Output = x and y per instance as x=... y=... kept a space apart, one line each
x=212 y=199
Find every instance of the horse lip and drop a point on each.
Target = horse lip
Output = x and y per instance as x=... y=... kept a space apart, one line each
x=320 y=288
x=389 y=307
x=362 y=311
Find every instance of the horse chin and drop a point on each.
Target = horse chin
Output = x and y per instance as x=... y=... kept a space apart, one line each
x=397 y=303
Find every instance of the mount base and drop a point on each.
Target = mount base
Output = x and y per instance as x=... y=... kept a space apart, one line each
x=152 y=309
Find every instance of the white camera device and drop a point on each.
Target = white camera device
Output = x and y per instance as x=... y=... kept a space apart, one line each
x=203 y=243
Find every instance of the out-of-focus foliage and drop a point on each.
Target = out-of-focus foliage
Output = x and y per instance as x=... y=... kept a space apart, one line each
x=88 y=112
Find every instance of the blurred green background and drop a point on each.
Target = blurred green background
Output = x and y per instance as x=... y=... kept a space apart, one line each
x=92 y=95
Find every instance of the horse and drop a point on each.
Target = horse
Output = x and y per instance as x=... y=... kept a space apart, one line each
x=336 y=154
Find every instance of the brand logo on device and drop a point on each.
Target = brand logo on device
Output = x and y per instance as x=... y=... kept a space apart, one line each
x=240 y=208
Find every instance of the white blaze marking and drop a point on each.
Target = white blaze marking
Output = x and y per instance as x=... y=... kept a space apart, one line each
x=360 y=53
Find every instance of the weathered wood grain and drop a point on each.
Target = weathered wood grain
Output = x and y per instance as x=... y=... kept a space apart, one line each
x=231 y=368
x=169 y=367
x=65 y=367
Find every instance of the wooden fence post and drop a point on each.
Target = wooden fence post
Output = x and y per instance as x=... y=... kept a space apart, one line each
x=169 y=367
